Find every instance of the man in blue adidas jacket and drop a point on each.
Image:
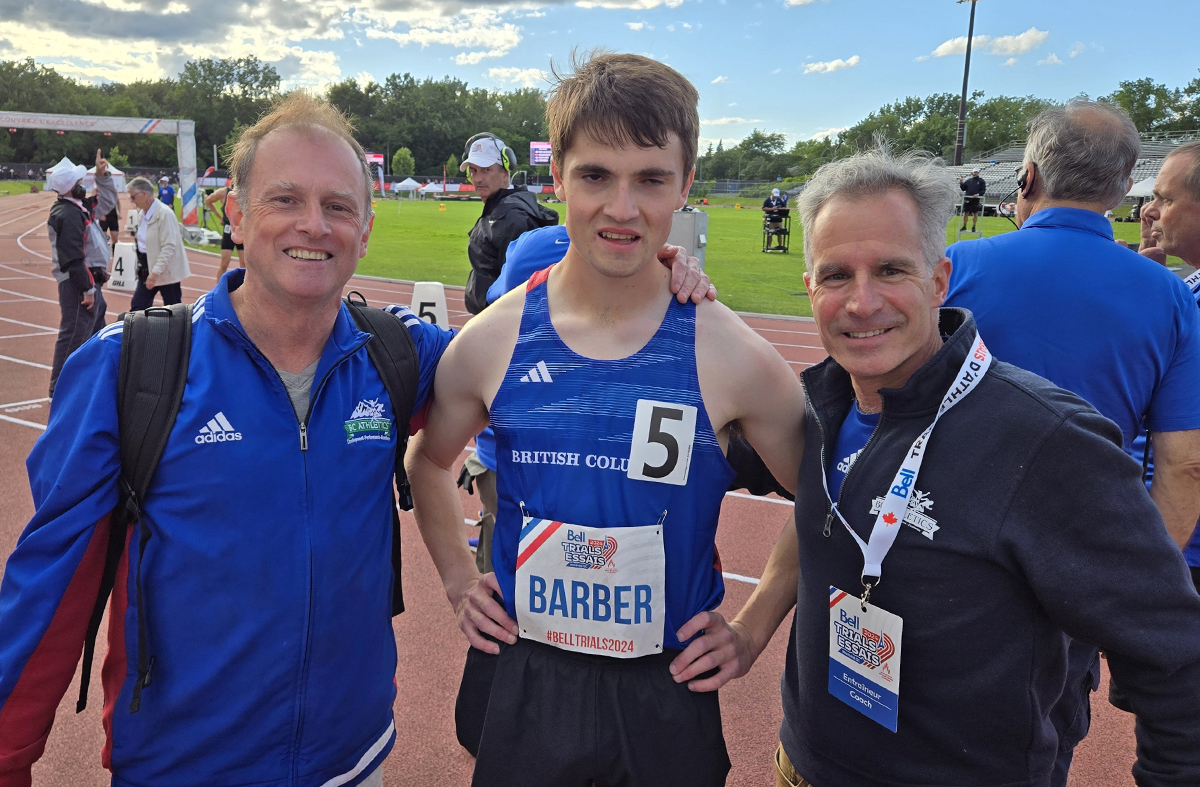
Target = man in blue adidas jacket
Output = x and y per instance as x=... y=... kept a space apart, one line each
x=267 y=583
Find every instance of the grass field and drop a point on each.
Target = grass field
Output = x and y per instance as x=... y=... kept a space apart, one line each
x=418 y=240
x=10 y=187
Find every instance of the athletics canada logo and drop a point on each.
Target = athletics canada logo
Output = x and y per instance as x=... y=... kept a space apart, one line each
x=367 y=422
x=218 y=430
x=863 y=646
x=916 y=516
x=579 y=551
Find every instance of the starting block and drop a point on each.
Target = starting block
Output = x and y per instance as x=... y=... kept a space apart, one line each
x=429 y=302
x=123 y=269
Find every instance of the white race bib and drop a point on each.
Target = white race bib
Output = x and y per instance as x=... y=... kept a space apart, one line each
x=864 y=657
x=661 y=450
x=598 y=590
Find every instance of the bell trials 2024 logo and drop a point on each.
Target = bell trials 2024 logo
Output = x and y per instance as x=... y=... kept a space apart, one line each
x=579 y=551
x=367 y=423
x=862 y=646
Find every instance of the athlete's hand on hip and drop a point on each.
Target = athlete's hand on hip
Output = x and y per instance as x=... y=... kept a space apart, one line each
x=724 y=646
x=687 y=279
x=479 y=613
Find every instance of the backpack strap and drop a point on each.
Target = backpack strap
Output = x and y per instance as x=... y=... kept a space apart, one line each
x=394 y=355
x=155 y=347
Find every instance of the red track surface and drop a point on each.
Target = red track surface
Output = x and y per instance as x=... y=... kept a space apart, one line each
x=431 y=649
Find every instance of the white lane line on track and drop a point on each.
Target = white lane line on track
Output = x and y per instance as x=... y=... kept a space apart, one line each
x=21 y=241
x=27 y=297
x=739 y=578
x=10 y=405
x=745 y=496
x=29 y=324
x=18 y=218
x=27 y=335
x=24 y=273
x=34 y=364
x=22 y=422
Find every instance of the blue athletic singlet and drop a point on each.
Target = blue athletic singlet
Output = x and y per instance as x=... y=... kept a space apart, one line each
x=565 y=432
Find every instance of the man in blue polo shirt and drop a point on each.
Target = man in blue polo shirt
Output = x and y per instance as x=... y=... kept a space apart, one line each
x=1062 y=299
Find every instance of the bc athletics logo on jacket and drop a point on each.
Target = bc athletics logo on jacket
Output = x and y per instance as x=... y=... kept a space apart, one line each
x=367 y=422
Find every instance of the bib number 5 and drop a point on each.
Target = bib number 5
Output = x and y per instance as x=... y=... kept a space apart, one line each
x=663 y=434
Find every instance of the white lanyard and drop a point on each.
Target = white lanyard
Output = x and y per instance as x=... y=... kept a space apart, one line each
x=895 y=502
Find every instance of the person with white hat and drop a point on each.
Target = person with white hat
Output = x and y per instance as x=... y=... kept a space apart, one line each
x=771 y=206
x=974 y=188
x=507 y=212
x=79 y=297
x=166 y=192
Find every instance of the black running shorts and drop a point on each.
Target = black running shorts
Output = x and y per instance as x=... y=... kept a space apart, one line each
x=110 y=223
x=561 y=719
x=227 y=241
x=972 y=205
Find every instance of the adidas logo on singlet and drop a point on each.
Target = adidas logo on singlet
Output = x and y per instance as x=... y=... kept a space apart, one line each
x=538 y=374
x=218 y=430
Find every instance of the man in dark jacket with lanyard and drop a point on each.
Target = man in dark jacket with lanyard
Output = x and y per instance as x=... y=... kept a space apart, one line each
x=990 y=500
x=79 y=298
x=507 y=212
x=973 y=189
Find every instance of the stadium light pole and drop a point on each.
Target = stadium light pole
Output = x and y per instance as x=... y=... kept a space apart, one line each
x=962 y=104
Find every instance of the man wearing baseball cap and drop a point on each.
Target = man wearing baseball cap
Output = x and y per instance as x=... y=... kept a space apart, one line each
x=507 y=212
x=774 y=217
x=973 y=188
x=79 y=298
x=166 y=192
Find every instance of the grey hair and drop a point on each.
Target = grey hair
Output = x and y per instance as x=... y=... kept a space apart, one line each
x=1191 y=181
x=140 y=184
x=1084 y=151
x=917 y=174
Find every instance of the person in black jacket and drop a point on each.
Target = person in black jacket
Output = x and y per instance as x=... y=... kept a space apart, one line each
x=974 y=188
x=960 y=515
x=507 y=212
x=79 y=298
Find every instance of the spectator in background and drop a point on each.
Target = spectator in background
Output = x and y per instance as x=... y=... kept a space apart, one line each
x=1061 y=299
x=774 y=217
x=507 y=212
x=222 y=195
x=973 y=188
x=166 y=192
x=80 y=301
x=107 y=206
x=162 y=261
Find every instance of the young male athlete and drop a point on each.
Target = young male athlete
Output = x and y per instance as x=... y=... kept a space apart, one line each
x=611 y=404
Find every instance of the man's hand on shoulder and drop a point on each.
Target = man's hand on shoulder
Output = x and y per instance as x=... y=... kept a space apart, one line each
x=688 y=280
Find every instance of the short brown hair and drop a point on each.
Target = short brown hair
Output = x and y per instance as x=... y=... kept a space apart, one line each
x=1191 y=181
x=620 y=99
x=293 y=110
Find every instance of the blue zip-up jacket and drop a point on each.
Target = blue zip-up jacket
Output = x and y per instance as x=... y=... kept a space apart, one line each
x=267 y=579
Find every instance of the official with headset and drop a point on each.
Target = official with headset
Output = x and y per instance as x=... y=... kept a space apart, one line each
x=507 y=212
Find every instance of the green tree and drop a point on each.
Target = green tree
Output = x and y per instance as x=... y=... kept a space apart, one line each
x=403 y=164
x=452 y=166
x=1151 y=106
x=117 y=158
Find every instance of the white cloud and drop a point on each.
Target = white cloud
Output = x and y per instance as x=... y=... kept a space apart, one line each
x=635 y=25
x=1003 y=45
x=525 y=77
x=793 y=3
x=687 y=26
x=734 y=104
x=829 y=132
x=364 y=78
x=829 y=66
x=727 y=122
x=637 y=5
x=1077 y=49
x=720 y=80
x=1012 y=61
x=776 y=71
x=1052 y=60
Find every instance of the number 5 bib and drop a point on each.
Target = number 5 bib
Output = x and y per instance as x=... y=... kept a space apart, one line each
x=596 y=590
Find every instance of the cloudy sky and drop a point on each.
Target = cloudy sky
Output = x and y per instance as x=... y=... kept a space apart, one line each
x=803 y=67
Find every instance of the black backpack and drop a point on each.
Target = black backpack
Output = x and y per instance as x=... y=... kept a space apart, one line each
x=155 y=347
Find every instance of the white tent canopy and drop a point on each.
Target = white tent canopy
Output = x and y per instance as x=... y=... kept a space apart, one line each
x=408 y=184
x=1143 y=188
